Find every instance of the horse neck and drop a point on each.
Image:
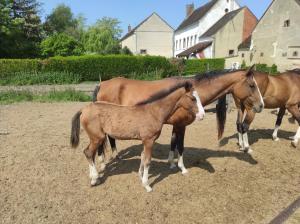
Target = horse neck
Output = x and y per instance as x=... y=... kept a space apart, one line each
x=213 y=88
x=163 y=108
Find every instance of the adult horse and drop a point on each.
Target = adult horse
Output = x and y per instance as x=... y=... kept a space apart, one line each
x=210 y=87
x=143 y=121
x=280 y=91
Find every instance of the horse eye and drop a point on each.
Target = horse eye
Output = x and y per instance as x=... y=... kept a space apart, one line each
x=193 y=99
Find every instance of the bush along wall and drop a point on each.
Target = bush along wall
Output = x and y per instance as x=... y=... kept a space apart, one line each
x=194 y=66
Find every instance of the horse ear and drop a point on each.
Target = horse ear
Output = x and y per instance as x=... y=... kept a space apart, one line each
x=250 y=71
x=188 y=86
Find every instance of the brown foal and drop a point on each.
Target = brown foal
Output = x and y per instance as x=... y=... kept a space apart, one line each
x=210 y=87
x=279 y=91
x=143 y=121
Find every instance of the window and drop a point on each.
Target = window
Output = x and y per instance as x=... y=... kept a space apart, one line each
x=195 y=39
x=295 y=54
x=191 y=40
x=243 y=55
x=226 y=10
x=284 y=54
x=187 y=42
x=231 y=52
x=227 y=1
x=286 y=23
x=180 y=44
x=261 y=54
x=143 y=51
x=176 y=45
x=183 y=43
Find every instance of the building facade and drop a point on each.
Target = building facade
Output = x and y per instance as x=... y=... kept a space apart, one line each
x=198 y=21
x=153 y=36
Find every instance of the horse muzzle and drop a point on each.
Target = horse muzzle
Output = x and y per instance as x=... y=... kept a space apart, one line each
x=258 y=108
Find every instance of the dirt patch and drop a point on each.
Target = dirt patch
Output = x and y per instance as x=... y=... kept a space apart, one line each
x=43 y=180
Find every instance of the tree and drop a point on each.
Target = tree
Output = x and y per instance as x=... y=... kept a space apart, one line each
x=60 y=20
x=125 y=50
x=20 y=28
x=61 y=45
x=102 y=38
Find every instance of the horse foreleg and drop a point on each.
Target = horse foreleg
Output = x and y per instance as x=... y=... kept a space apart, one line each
x=180 y=141
x=245 y=128
x=90 y=153
x=278 y=123
x=296 y=113
x=172 y=150
x=239 y=129
x=141 y=169
x=148 y=144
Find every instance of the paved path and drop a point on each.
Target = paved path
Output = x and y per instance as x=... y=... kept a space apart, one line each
x=84 y=87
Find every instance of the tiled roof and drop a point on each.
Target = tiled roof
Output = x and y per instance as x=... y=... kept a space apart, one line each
x=197 y=15
x=194 y=49
x=221 y=23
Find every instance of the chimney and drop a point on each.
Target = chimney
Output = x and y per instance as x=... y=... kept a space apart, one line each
x=129 y=28
x=189 y=9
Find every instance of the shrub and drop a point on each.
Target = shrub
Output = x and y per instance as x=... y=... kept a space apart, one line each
x=194 y=66
x=266 y=69
x=61 y=45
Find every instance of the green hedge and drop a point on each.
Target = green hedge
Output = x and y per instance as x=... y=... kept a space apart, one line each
x=266 y=69
x=75 y=69
x=203 y=65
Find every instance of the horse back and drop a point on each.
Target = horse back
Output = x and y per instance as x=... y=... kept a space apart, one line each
x=128 y=92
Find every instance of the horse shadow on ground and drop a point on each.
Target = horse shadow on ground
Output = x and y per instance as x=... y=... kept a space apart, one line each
x=256 y=134
x=193 y=157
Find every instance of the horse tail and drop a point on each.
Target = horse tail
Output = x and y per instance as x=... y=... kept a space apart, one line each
x=95 y=93
x=75 y=130
x=221 y=115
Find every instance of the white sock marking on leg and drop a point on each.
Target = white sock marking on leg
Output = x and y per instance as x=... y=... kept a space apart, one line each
x=181 y=164
x=275 y=138
x=201 y=111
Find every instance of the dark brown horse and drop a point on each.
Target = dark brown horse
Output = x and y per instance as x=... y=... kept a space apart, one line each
x=210 y=87
x=279 y=91
x=143 y=121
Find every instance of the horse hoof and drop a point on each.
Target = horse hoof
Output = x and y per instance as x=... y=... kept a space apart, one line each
x=275 y=138
x=292 y=137
x=172 y=166
x=249 y=151
x=95 y=182
x=148 y=188
x=241 y=149
x=184 y=172
x=294 y=144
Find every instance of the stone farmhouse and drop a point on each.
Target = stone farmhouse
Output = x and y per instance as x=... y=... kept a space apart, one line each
x=153 y=36
x=276 y=38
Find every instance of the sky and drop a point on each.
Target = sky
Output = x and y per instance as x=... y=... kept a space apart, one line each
x=134 y=11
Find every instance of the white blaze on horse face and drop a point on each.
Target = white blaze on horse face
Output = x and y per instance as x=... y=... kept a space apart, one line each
x=261 y=98
x=201 y=112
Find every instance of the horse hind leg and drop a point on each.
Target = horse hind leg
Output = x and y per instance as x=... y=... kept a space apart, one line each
x=278 y=123
x=113 y=146
x=296 y=113
x=90 y=153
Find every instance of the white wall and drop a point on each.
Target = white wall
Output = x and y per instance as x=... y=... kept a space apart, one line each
x=199 y=28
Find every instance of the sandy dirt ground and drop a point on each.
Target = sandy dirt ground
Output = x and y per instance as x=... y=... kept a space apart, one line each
x=43 y=180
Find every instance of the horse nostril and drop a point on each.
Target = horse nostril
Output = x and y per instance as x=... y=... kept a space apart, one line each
x=261 y=106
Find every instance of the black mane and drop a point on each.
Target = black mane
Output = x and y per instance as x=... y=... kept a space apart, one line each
x=208 y=75
x=165 y=92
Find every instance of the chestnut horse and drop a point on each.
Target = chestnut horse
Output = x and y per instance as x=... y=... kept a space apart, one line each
x=212 y=86
x=143 y=121
x=279 y=91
